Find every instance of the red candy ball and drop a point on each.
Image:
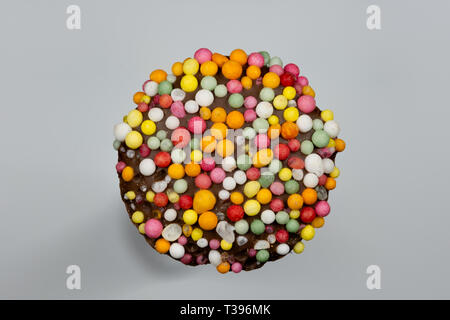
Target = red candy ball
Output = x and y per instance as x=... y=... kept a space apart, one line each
x=203 y=181
x=282 y=236
x=143 y=107
x=253 y=173
x=322 y=180
x=185 y=202
x=294 y=145
x=235 y=213
x=287 y=79
x=160 y=199
x=281 y=151
x=165 y=101
x=162 y=159
x=307 y=214
x=276 y=205
x=295 y=163
x=144 y=150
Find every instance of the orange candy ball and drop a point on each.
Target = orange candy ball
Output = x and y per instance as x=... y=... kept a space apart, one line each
x=208 y=144
x=219 y=130
x=340 y=145
x=318 y=222
x=225 y=148
x=309 y=196
x=307 y=90
x=177 y=69
x=295 y=201
x=219 y=59
x=127 y=173
x=232 y=70
x=235 y=120
x=176 y=171
x=207 y=220
x=137 y=98
x=192 y=169
x=224 y=267
x=205 y=113
x=253 y=72
x=209 y=68
x=289 y=130
x=274 y=131
x=271 y=80
x=162 y=245
x=330 y=184
x=246 y=82
x=239 y=56
x=219 y=115
x=158 y=75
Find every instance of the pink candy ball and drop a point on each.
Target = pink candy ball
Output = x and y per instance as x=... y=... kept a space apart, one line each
x=250 y=102
x=256 y=59
x=236 y=267
x=120 y=166
x=276 y=205
x=214 y=244
x=153 y=228
x=294 y=145
x=217 y=175
x=253 y=173
x=180 y=137
x=203 y=55
x=262 y=141
x=277 y=188
x=203 y=181
x=303 y=81
x=177 y=109
x=322 y=208
x=182 y=240
x=276 y=69
x=186 y=259
x=322 y=180
x=292 y=68
x=200 y=259
x=250 y=115
x=207 y=164
x=298 y=88
x=196 y=125
x=234 y=86
x=306 y=103
x=251 y=252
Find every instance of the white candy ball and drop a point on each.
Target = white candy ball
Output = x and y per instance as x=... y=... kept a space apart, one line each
x=171 y=78
x=191 y=106
x=304 y=123
x=332 y=128
x=151 y=88
x=313 y=163
x=177 y=94
x=328 y=165
x=229 y=183
x=283 y=249
x=224 y=195
x=310 y=180
x=204 y=98
x=178 y=155
x=264 y=109
x=228 y=164
x=202 y=243
x=121 y=130
x=172 y=122
x=172 y=232
x=268 y=216
x=214 y=257
x=155 y=114
x=176 y=250
x=170 y=214
x=147 y=167
x=240 y=177
x=297 y=174
x=271 y=238
x=292 y=103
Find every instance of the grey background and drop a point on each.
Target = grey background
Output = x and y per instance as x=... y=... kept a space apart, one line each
x=62 y=92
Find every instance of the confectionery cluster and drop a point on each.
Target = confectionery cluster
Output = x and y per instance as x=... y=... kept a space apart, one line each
x=227 y=160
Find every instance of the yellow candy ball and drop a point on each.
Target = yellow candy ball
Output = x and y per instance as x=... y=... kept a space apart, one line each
x=327 y=115
x=141 y=228
x=173 y=197
x=252 y=207
x=196 y=156
x=150 y=195
x=134 y=118
x=130 y=195
x=187 y=230
x=133 y=139
x=335 y=173
x=307 y=232
x=280 y=102
x=148 y=127
x=299 y=247
x=294 y=214
x=251 y=188
x=285 y=174
x=197 y=234
x=273 y=119
x=190 y=66
x=331 y=143
x=190 y=217
x=291 y=114
x=146 y=99
x=262 y=158
x=137 y=217
x=225 y=245
x=289 y=92
x=189 y=83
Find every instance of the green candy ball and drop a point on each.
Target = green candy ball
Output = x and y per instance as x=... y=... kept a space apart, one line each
x=262 y=255
x=320 y=138
x=260 y=125
x=153 y=143
x=208 y=83
x=267 y=94
x=266 y=179
x=236 y=100
x=266 y=57
x=257 y=226
x=194 y=144
x=241 y=226
x=282 y=217
x=180 y=186
x=244 y=162
x=275 y=166
x=161 y=134
x=178 y=155
x=166 y=145
x=306 y=147
x=220 y=91
x=292 y=226
x=249 y=133
x=165 y=87
x=291 y=187
x=116 y=144
x=317 y=124
x=275 y=61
